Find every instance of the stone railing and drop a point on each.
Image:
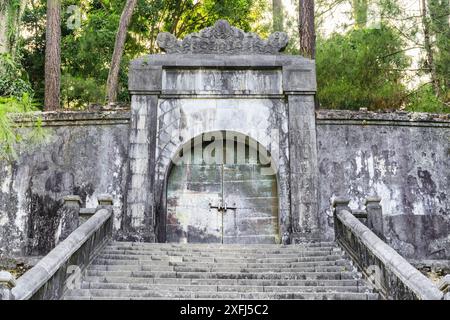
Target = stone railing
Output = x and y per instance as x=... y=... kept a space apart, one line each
x=444 y=286
x=393 y=276
x=64 y=265
x=7 y=282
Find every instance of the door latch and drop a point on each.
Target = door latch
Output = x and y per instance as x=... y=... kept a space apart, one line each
x=227 y=207
x=222 y=207
x=219 y=206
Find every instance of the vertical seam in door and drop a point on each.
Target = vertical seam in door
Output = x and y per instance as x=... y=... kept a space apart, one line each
x=223 y=201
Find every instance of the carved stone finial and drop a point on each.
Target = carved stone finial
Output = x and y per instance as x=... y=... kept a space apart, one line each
x=222 y=38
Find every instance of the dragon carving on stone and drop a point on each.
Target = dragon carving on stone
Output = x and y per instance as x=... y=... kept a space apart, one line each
x=223 y=38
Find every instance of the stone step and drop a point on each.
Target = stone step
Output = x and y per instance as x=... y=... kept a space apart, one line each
x=220 y=288
x=216 y=269
x=214 y=254
x=243 y=250
x=216 y=282
x=164 y=295
x=122 y=262
x=226 y=275
x=179 y=259
x=145 y=271
x=220 y=246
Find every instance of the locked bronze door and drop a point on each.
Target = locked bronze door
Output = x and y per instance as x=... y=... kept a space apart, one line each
x=193 y=192
x=222 y=203
x=251 y=203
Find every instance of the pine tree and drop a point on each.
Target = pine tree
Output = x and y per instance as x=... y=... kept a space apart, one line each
x=307 y=30
x=113 y=77
x=53 y=56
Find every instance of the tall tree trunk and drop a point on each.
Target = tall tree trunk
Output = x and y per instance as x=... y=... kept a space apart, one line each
x=360 y=12
x=4 y=41
x=113 y=77
x=19 y=10
x=53 y=56
x=278 y=15
x=307 y=29
x=10 y=18
x=429 y=49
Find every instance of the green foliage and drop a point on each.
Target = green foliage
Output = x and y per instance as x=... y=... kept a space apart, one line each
x=87 y=51
x=440 y=26
x=78 y=93
x=13 y=79
x=363 y=68
x=425 y=100
x=9 y=135
x=360 y=12
x=33 y=22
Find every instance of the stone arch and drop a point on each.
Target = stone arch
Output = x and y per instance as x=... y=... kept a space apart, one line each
x=239 y=138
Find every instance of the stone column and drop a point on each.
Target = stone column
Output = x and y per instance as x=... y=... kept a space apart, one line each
x=139 y=223
x=375 y=216
x=304 y=168
x=105 y=201
x=70 y=216
x=7 y=282
x=341 y=203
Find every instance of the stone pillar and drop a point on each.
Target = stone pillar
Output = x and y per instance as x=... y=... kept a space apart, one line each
x=105 y=200
x=303 y=168
x=341 y=203
x=375 y=216
x=444 y=285
x=70 y=216
x=139 y=223
x=7 y=282
x=361 y=215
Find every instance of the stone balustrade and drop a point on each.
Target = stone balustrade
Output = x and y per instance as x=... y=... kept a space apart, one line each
x=61 y=269
x=393 y=276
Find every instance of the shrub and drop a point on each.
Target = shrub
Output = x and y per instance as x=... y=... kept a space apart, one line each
x=363 y=68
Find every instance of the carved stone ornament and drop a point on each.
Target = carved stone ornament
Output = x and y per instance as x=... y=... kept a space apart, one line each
x=222 y=38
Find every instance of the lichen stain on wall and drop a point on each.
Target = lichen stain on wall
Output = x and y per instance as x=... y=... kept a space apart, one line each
x=78 y=160
x=406 y=166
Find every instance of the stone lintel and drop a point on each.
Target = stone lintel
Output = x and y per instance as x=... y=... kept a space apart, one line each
x=147 y=73
x=299 y=79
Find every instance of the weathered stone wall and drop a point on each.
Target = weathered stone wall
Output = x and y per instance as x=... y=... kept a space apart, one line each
x=83 y=154
x=404 y=159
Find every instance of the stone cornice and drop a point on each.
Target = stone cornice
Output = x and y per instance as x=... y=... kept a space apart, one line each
x=408 y=119
x=336 y=117
x=73 y=118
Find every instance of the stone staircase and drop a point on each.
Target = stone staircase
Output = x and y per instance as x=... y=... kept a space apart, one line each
x=265 y=272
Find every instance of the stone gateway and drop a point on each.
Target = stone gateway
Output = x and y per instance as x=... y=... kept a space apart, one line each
x=223 y=80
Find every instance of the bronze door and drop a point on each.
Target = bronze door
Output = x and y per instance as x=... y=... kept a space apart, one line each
x=222 y=203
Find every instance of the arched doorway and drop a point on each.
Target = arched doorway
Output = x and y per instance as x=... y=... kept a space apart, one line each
x=223 y=190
